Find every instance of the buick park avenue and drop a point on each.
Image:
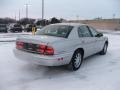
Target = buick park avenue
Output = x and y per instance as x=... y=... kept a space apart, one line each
x=61 y=44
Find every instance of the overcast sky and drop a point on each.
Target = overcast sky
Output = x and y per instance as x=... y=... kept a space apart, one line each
x=69 y=9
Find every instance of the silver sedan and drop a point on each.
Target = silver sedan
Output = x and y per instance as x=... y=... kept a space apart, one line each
x=61 y=44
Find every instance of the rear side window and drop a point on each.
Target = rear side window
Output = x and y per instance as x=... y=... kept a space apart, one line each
x=83 y=31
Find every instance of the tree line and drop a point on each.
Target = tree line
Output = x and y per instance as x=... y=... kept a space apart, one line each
x=25 y=21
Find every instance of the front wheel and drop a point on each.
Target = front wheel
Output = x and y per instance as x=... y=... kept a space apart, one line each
x=104 y=50
x=76 y=61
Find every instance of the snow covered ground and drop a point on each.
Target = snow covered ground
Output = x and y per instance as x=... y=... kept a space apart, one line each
x=96 y=73
x=10 y=37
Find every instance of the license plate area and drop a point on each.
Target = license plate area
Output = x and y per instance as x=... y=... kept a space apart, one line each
x=30 y=47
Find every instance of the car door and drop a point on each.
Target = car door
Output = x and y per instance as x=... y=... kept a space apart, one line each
x=88 y=41
x=99 y=40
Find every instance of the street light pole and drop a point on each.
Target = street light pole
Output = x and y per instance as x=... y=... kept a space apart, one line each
x=42 y=9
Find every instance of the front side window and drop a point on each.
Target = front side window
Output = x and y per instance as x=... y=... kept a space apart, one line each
x=83 y=31
x=56 y=30
x=93 y=31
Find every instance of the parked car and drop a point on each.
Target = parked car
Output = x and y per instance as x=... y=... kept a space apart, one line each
x=3 y=28
x=61 y=44
x=16 y=28
x=29 y=27
x=10 y=26
x=39 y=27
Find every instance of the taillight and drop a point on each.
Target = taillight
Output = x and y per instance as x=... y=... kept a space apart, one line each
x=41 y=49
x=46 y=50
x=49 y=50
x=19 y=44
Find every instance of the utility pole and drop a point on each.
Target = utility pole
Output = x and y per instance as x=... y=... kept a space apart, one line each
x=26 y=10
x=77 y=18
x=15 y=15
x=42 y=9
x=19 y=15
x=114 y=16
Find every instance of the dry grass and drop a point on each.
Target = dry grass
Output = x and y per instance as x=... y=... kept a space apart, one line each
x=106 y=24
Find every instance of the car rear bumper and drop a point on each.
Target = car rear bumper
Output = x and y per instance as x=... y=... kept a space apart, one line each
x=56 y=60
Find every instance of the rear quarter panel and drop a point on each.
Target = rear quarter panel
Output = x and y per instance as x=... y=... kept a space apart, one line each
x=68 y=45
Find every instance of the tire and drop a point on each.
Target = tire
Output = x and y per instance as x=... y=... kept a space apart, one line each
x=104 y=50
x=76 y=61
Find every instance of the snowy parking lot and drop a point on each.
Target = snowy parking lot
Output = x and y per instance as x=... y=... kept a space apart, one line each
x=96 y=73
x=10 y=37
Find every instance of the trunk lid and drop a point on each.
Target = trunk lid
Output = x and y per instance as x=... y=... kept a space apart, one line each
x=31 y=43
x=36 y=39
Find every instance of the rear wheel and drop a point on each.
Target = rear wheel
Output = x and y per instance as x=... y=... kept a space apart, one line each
x=76 y=61
x=104 y=50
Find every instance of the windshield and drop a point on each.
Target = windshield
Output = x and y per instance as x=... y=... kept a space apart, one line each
x=56 y=30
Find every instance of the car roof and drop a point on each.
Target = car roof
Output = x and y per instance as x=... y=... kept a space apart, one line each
x=70 y=24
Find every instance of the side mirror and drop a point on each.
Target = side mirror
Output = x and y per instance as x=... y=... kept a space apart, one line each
x=99 y=35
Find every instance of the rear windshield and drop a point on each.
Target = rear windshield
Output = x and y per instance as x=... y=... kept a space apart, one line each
x=56 y=30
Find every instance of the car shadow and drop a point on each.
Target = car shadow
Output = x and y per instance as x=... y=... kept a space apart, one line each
x=32 y=72
x=58 y=70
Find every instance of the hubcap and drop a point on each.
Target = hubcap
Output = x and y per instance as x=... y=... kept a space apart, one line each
x=77 y=60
